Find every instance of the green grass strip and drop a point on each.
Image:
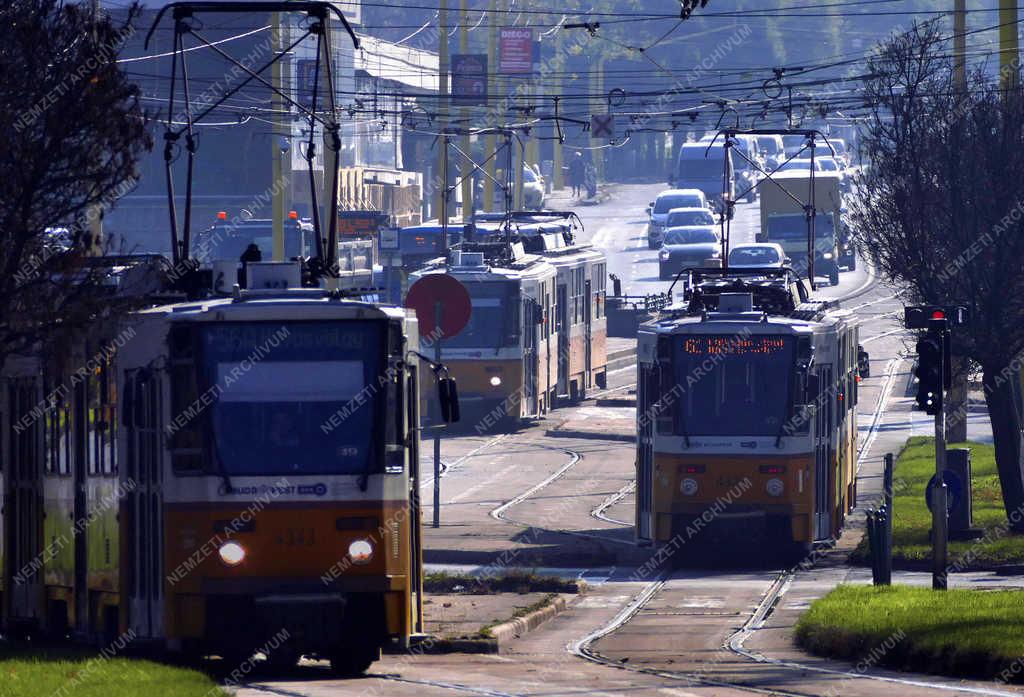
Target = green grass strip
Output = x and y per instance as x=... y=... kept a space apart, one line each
x=960 y=633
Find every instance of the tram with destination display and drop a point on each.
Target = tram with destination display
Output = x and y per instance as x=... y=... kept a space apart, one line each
x=234 y=469
x=746 y=414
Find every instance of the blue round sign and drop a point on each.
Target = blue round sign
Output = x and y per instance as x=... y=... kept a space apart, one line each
x=955 y=490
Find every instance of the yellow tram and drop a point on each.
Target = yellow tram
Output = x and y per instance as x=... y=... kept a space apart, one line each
x=504 y=358
x=241 y=469
x=746 y=414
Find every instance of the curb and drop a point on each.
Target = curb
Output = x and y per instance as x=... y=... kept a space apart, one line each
x=620 y=437
x=501 y=634
x=513 y=629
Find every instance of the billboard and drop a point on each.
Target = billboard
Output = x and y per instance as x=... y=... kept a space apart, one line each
x=469 y=78
x=515 y=50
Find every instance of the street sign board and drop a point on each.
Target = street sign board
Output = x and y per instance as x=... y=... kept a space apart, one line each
x=469 y=79
x=440 y=293
x=953 y=484
x=515 y=50
x=602 y=126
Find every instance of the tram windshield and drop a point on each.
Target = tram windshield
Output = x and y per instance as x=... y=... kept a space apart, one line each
x=294 y=397
x=494 y=320
x=732 y=385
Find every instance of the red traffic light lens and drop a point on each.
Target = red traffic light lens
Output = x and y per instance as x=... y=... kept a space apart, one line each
x=938 y=314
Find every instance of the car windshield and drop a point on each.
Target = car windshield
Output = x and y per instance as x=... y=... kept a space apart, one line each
x=494 y=320
x=227 y=242
x=278 y=386
x=768 y=144
x=794 y=226
x=690 y=237
x=839 y=146
x=742 y=388
x=528 y=175
x=828 y=164
x=683 y=218
x=796 y=165
x=698 y=169
x=666 y=203
x=793 y=141
x=754 y=256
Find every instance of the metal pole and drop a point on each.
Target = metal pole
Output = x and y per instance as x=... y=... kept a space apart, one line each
x=276 y=168
x=960 y=44
x=939 y=514
x=491 y=141
x=466 y=166
x=437 y=426
x=1009 y=59
x=442 y=98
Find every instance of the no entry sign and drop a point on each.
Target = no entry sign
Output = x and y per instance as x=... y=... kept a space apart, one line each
x=440 y=292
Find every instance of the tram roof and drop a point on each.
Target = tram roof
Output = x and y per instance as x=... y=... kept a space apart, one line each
x=295 y=304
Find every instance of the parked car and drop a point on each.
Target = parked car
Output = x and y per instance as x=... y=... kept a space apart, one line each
x=666 y=201
x=757 y=255
x=689 y=247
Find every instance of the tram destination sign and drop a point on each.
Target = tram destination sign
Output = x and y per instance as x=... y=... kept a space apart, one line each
x=733 y=345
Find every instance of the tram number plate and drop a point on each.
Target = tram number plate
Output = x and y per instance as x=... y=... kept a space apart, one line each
x=297 y=537
x=728 y=482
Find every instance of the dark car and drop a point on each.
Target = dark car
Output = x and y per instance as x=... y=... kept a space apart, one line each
x=687 y=248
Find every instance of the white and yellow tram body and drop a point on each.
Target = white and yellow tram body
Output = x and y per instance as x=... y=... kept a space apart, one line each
x=273 y=440
x=580 y=320
x=746 y=426
x=504 y=360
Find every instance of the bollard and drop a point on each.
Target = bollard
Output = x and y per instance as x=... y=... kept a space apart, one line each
x=884 y=522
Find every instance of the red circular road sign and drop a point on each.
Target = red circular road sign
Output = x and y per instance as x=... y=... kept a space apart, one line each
x=440 y=291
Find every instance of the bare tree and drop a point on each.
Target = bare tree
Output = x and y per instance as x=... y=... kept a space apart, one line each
x=73 y=130
x=939 y=211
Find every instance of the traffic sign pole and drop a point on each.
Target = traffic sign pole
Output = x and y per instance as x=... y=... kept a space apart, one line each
x=940 y=514
x=437 y=425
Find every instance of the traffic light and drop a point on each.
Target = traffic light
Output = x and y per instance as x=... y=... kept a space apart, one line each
x=929 y=374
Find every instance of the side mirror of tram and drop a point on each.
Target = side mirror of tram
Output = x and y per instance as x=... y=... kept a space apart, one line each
x=448 y=396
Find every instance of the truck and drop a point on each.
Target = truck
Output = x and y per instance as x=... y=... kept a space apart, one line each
x=784 y=221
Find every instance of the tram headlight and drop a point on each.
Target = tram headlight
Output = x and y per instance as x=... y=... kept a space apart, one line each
x=232 y=553
x=360 y=552
x=688 y=486
x=495 y=381
x=774 y=486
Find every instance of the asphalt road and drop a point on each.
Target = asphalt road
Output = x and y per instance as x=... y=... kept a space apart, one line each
x=541 y=499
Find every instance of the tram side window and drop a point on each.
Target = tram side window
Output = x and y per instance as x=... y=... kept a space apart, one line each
x=58 y=442
x=185 y=426
x=102 y=432
x=598 y=289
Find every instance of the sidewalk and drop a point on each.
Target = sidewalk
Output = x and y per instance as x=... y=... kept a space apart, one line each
x=563 y=199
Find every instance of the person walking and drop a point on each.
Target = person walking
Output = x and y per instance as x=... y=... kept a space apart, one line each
x=577 y=171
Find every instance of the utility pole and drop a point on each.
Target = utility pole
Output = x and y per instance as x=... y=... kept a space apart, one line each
x=557 y=181
x=96 y=211
x=960 y=44
x=442 y=100
x=276 y=155
x=465 y=145
x=1009 y=54
x=491 y=141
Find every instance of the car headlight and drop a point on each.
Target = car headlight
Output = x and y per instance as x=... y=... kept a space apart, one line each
x=232 y=553
x=774 y=487
x=716 y=255
x=664 y=255
x=360 y=551
x=495 y=381
x=827 y=255
x=688 y=486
